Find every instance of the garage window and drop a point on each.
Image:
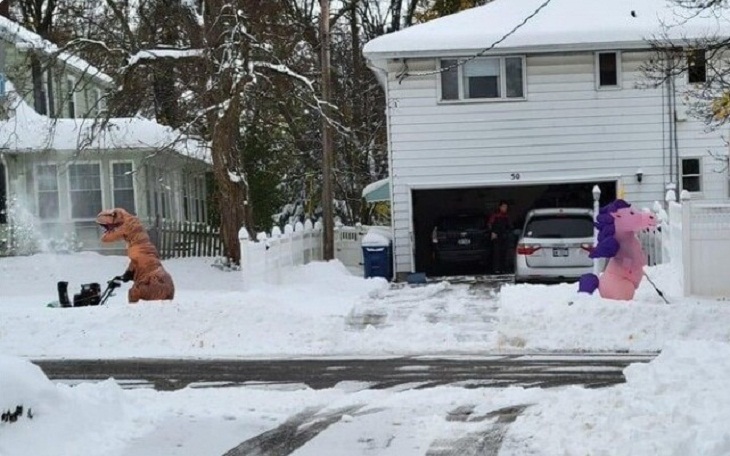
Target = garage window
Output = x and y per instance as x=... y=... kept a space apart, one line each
x=495 y=78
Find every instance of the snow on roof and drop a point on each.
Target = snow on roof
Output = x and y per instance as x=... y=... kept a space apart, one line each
x=27 y=131
x=22 y=37
x=569 y=24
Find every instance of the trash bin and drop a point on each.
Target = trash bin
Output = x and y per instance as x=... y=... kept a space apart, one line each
x=377 y=253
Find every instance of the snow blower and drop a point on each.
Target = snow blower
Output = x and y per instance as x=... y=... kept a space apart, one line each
x=90 y=294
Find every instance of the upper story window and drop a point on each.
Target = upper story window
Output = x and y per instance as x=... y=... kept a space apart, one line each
x=493 y=78
x=99 y=101
x=71 y=97
x=608 y=70
x=696 y=66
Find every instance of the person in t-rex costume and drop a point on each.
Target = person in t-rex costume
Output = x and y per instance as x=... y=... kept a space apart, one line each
x=151 y=281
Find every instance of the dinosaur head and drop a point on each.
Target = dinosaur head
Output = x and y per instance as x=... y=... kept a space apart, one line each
x=117 y=224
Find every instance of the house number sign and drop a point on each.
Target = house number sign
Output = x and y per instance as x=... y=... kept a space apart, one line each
x=514 y=176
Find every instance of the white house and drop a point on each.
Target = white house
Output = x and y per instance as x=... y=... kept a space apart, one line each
x=556 y=107
x=62 y=161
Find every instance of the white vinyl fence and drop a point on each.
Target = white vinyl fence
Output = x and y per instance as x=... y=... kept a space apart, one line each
x=271 y=257
x=696 y=239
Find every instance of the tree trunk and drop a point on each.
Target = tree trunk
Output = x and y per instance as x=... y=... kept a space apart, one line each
x=233 y=199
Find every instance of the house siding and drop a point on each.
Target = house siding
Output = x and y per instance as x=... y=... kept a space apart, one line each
x=565 y=130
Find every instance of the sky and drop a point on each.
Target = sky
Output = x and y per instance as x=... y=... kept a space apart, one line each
x=677 y=404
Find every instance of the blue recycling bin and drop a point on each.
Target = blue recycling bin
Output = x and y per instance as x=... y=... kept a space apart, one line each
x=378 y=261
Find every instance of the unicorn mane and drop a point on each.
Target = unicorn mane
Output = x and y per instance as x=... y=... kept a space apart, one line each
x=607 y=246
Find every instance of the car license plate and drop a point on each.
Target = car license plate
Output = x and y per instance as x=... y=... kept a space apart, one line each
x=464 y=241
x=560 y=252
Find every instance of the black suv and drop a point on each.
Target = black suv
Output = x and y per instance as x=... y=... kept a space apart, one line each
x=463 y=238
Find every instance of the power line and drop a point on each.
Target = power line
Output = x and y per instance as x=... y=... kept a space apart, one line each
x=460 y=62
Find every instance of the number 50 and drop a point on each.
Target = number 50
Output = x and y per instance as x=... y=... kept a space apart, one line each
x=514 y=176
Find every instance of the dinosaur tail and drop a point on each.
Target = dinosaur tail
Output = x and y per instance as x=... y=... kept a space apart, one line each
x=588 y=283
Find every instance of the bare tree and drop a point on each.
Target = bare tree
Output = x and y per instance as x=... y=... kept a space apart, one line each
x=167 y=51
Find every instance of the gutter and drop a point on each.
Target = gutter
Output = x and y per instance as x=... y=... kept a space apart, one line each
x=541 y=49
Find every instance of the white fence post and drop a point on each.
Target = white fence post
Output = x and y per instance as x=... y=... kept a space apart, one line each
x=318 y=254
x=685 y=242
x=298 y=244
x=243 y=240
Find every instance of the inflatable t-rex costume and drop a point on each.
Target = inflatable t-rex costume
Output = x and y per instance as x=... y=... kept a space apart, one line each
x=151 y=281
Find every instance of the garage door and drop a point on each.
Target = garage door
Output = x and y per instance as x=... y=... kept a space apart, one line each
x=461 y=211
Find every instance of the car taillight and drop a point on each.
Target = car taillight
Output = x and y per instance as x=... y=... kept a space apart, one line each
x=527 y=249
x=587 y=247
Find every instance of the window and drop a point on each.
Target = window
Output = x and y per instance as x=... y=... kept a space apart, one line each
x=691 y=175
x=84 y=182
x=696 y=66
x=199 y=199
x=2 y=85
x=47 y=189
x=43 y=102
x=186 y=200
x=160 y=192
x=194 y=209
x=608 y=64
x=71 y=97
x=483 y=78
x=123 y=186
x=559 y=227
x=99 y=101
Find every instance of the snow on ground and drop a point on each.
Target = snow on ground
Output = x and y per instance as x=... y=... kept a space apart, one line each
x=675 y=405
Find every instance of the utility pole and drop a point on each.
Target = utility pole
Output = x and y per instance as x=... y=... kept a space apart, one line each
x=327 y=143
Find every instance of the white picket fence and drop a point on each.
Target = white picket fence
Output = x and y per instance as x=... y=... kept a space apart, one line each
x=272 y=257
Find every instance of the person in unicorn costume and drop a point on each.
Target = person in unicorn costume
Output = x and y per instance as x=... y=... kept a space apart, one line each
x=618 y=224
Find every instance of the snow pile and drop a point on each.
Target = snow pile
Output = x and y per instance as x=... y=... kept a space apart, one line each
x=677 y=405
x=63 y=420
x=542 y=317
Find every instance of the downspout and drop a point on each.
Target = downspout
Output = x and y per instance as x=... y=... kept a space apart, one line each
x=666 y=176
x=675 y=137
x=670 y=118
x=381 y=74
x=6 y=180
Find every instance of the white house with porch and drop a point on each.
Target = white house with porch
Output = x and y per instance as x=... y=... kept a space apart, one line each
x=62 y=160
x=481 y=109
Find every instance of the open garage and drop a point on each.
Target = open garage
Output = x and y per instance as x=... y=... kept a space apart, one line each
x=433 y=206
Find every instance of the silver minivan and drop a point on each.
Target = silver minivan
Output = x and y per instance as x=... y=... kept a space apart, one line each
x=554 y=245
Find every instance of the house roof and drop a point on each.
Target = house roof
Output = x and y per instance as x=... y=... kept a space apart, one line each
x=24 y=38
x=26 y=131
x=560 y=25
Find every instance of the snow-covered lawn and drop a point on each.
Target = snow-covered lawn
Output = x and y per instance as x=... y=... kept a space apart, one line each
x=676 y=405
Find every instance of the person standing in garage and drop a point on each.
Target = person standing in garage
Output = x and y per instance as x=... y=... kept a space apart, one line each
x=501 y=228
